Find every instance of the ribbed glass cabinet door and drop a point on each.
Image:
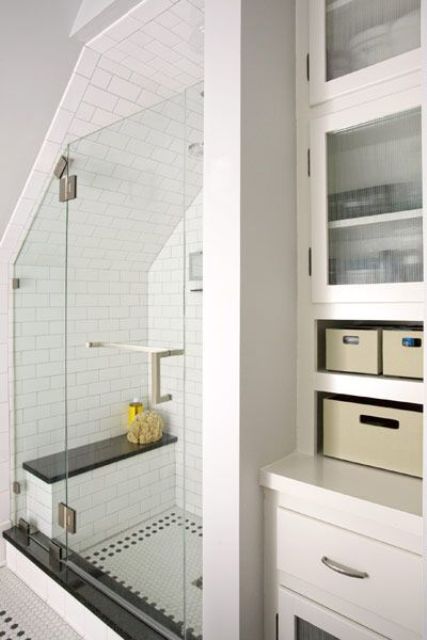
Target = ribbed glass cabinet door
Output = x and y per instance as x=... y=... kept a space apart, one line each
x=307 y=631
x=357 y=43
x=361 y=33
x=375 y=201
x=303 y=619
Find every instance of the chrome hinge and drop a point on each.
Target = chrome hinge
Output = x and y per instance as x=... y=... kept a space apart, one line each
x=67 y=518
x=16 y=283
x=309 y=262
x=16 y=487
x=307 y=66
x=309 y=162
x=67 y=188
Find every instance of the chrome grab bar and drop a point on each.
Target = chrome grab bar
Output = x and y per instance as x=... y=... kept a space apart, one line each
x=343 y=569
x=155 y=355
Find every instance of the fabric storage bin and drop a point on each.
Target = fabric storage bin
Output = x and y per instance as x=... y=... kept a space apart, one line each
x=354 y=350
x=374 y=434
x=403 y=353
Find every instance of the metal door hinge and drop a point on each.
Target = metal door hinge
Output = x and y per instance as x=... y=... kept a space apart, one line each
x=60 y=167
x=67 y=188
x=309 y=262
x=56 y=553
x=67 y=518
x=277 y=626
x=24 y=530
x=16 y=488
x=307 y=66
x=309 y=162
x=16 y=283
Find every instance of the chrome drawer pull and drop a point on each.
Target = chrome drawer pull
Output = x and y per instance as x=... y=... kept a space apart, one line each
x=343 y=570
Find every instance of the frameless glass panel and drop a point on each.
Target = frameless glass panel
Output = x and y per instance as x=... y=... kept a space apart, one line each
x=125 y=346
x=39 y=353
x=191 y=472
x=307 y=631
x=375 y=201
x=360 y=33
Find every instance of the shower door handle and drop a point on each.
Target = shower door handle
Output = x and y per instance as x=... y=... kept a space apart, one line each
x=156 y=358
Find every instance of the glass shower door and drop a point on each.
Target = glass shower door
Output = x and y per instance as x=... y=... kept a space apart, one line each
x=39 y=372
x=125 y=364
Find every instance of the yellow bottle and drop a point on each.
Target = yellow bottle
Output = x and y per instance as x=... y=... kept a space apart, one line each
x=134 y=408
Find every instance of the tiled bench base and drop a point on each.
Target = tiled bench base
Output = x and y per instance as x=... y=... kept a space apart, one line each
x=108 y=499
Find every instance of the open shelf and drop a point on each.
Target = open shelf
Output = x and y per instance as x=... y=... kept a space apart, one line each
x=395 y=216
x=378 y=387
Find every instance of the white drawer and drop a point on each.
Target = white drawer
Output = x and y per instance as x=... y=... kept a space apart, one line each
x=393 y=586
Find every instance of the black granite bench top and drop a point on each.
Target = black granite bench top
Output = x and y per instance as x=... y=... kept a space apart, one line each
x=52 y=468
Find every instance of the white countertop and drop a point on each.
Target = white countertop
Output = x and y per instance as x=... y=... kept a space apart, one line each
x=384 y=488
x=377 y=503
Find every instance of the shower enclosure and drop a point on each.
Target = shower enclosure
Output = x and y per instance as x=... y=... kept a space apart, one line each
x=107 y=308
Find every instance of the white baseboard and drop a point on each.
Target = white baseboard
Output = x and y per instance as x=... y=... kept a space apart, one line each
x=83 y=621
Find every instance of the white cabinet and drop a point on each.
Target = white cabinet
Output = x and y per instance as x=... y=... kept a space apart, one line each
x=351 y=571
x=356 y=43
x=366 y=202
x=302 y=619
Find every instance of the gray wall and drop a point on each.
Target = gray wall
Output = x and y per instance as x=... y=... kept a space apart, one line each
x=36 y=60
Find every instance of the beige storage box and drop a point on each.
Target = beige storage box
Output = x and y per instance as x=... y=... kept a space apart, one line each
x=403 y=353
x=378 y=436
x=354 y=350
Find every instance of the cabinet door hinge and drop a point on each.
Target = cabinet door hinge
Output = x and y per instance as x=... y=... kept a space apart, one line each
x=67 y=188
x=309 y=162
x=307 y=67
x=309 y=262
x=277 y=626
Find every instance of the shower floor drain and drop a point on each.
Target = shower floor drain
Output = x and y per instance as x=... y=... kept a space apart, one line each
x=198 y=583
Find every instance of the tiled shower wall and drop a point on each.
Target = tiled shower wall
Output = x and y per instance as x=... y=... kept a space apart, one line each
x=113 y=237
x=145 y=56
x=165 y=298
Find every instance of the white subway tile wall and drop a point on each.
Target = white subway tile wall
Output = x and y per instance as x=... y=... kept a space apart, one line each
x=125 y=283
x=156 y=49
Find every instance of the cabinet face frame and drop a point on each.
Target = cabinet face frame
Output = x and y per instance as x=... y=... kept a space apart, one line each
x=322 y=291
x=293 y=606
x=322 y=89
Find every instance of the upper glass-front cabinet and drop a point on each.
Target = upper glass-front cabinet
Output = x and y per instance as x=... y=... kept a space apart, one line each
x=355 y=43
x=366 y=188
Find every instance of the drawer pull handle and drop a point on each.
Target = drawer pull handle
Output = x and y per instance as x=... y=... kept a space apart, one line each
x=343 y=569
x=376 y=421
x=411 y=342
x=351 y=340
